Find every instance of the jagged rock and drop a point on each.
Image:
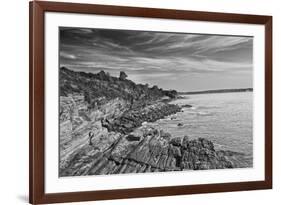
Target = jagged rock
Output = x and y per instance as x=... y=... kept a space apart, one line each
x=175 y=151
x=186 y=106
x=171 y=93
x=102 y=75
x=134 y=118
x=176 y=141
x=122 y=75
x=149 y=153
x=207 y=144
x=165 y=135
x=185 y=142
x=132 y=138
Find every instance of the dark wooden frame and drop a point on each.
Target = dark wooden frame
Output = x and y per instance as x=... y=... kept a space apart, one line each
x=37 y=194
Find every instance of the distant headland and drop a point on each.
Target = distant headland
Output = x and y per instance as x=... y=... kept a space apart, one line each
x=217 y=91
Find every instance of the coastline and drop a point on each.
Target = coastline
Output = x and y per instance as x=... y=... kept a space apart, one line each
x=142 y=148
x=104 y=129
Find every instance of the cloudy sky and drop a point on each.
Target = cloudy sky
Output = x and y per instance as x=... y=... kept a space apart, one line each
x=185 y=62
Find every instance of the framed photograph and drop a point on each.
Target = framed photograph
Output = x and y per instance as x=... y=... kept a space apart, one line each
x=139 y=102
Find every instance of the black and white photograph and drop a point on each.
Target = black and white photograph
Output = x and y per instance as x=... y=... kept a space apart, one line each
x=149 y=101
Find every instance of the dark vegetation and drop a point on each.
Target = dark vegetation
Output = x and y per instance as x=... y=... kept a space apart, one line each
x=101 y=87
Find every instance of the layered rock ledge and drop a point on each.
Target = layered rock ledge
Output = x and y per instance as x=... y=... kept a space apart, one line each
x=135 y=117
x=149 y=150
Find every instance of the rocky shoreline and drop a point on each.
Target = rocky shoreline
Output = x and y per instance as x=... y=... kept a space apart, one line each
x=103 y=130
x=134 y=118
x=151 y=150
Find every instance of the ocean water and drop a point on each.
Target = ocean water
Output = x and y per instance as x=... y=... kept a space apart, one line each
x=224 y=118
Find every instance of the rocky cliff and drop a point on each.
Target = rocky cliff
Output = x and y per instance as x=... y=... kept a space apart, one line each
x=116 y=103
x=103 y=129
x=101 y=87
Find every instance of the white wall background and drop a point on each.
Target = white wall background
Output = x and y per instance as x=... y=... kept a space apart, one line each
x=14 y=100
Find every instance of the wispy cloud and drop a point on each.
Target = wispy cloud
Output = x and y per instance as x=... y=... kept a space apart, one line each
x=146 y=55
x=67 y=55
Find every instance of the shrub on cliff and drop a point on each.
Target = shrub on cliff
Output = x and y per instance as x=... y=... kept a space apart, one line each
x=122 y=75
x=170 y=93
x=103 y=86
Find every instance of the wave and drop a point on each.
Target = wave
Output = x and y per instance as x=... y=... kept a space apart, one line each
x=208 y=107
x=202 y=113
